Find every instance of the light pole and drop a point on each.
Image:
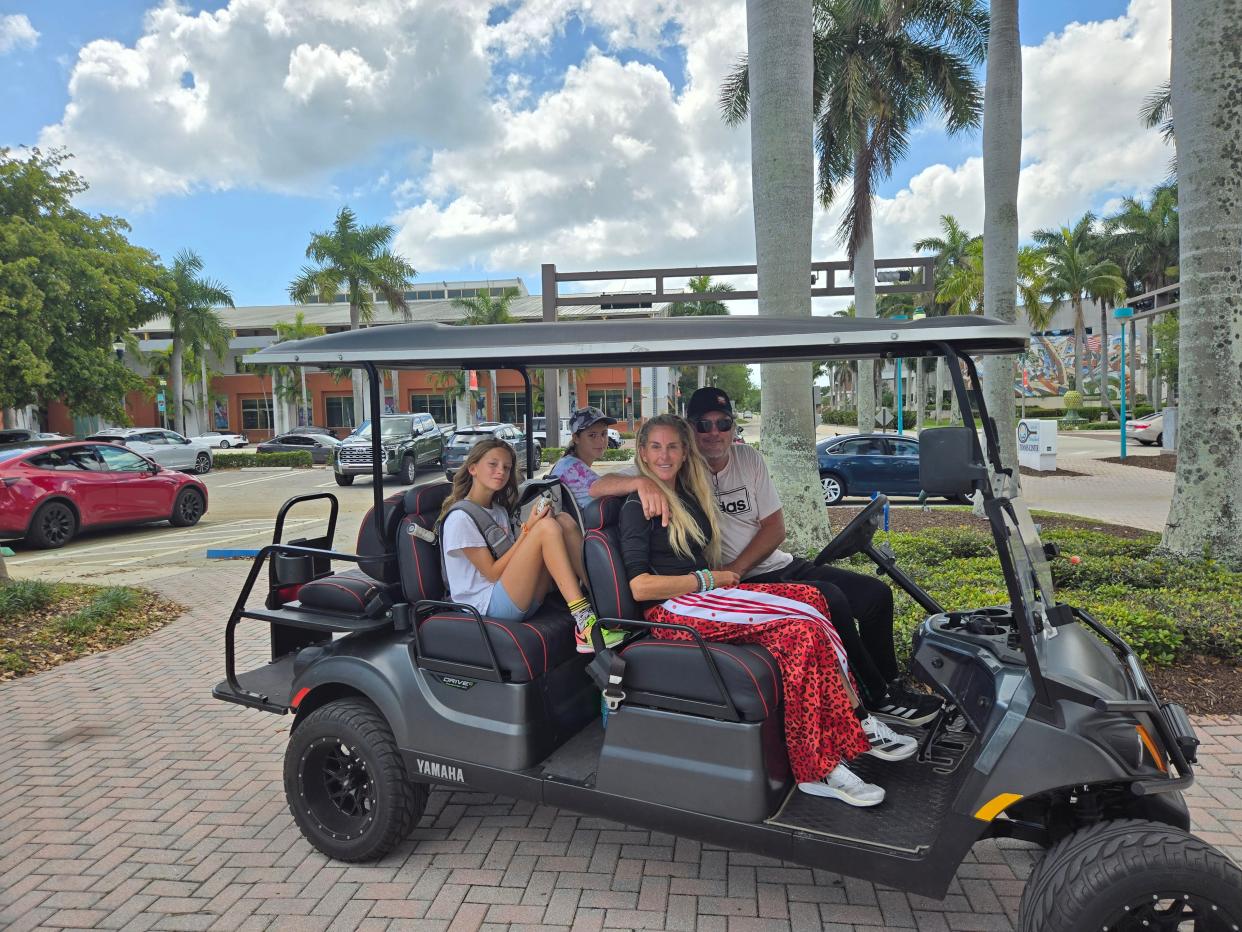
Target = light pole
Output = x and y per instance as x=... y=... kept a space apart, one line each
x=1122 y=314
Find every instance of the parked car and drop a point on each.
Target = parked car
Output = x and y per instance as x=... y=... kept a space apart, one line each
x=50 y=492
x=25 y=435
x=459 y=444
x=859 y=464
x=166 y=447
x=540 y=432
x=409 y=441
x=216 y=439
x=1147 y=430
x=319 y=446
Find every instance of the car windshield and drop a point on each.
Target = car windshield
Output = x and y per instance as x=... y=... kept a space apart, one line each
x=389 y=427
x=465 y=439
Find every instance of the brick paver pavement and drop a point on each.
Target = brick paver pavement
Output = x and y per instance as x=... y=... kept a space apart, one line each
x=132 y=800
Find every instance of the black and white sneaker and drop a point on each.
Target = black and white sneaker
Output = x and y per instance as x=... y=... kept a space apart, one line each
x=907 y=707
x=886 y=744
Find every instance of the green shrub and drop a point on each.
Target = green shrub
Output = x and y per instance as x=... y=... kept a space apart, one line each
x=19 y=596
x=230 y=460
x=105 y=606
x=619 y=455
x=551 y=454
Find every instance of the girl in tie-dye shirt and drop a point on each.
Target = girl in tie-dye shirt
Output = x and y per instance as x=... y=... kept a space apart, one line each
x=589 y=427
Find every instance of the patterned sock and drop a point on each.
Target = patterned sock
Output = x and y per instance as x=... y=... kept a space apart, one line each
x=581 y=610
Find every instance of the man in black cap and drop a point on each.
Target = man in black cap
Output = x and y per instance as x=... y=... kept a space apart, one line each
x=753 y=528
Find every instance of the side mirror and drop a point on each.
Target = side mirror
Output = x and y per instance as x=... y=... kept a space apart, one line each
x=947 y=464
x=153 y=468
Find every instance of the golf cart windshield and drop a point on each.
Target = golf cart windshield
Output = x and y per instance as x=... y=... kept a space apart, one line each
x=1030 y=562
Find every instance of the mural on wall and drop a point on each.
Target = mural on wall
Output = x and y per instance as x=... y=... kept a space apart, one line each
x=1050 y=360
x=220 y=414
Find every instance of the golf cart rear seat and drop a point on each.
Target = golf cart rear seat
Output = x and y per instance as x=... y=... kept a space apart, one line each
x=668 y=674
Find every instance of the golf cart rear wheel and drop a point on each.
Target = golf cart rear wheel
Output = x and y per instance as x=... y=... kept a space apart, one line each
x=1132 y=876
x=346 y=785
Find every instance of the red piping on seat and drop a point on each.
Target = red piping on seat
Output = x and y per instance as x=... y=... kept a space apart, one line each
x=757 y=651
x=516 y=642
x=542 y=640
x=418 y=564
x=714 y=650
x=324 y=582
x=606 y=498
x=616 y=585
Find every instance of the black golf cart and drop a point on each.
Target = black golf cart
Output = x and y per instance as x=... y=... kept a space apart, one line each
x=1051 y=732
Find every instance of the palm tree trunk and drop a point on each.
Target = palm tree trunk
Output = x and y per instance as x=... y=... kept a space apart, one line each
x=938 y=404
x=1106 y=398
x=864 y=307
x=702 y=376
x=1207 y=98
x=205 y=419
x=1079 y=336
x=305 y=419
x=361 y=396
x=779 y=36
x=1152 y=373
x=176 y=380
x=1002 y=156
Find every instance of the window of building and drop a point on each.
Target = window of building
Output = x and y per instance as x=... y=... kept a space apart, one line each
x=467 y=292
x=609 y=400
x=513 y=407
x=340 y=411
x=438 y=406
x=256 y=413
x=454 y=293
x=497 y=292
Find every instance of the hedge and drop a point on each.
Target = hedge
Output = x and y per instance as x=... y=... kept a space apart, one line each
x=619 y=455
x=230 y=460
x=1164 y=607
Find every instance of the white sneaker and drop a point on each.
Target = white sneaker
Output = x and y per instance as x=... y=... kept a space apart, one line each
x=886 y=744
x=847 y=786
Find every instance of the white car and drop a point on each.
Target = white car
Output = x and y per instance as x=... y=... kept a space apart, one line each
x=166 y=447
x=215 y=439
x=1147 y=430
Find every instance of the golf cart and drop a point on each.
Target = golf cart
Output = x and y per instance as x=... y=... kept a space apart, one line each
x=1051 y=731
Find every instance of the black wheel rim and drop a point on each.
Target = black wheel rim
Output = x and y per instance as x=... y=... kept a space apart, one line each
x=57 y=525
x=1167 y=911
x=202 y=464
x=191 y=507
x=337 y=790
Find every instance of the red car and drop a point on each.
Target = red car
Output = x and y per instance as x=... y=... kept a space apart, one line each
x=49 y=492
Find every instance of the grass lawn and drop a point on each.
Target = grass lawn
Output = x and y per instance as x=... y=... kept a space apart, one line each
x=43 y=625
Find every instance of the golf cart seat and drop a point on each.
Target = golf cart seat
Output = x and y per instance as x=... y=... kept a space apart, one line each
x=673 y=674
x=524 y=650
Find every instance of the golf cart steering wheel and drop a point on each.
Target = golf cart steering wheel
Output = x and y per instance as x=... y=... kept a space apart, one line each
x=856 y=535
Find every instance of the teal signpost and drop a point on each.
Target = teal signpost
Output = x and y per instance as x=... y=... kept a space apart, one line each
x=1122 y=314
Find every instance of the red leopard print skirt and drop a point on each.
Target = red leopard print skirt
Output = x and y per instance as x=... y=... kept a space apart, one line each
x=821 y=728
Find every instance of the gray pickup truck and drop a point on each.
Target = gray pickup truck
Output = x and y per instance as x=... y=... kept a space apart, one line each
x=409 y=440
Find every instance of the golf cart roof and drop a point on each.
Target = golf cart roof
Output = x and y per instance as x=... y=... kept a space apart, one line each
x=653 y=342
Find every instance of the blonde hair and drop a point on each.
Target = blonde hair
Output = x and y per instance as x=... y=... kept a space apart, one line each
x=463 y=482
x=683 y=530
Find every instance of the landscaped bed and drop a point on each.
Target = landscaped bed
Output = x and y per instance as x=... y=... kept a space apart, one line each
x=1165 y=462
x=43 y=625
x=1183 y=619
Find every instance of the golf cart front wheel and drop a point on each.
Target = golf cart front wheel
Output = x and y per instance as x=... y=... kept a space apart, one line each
x=346 y=785
x=1132 y=876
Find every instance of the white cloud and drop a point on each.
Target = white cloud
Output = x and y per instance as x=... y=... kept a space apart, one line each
x=16 y=31
x=272 y=93
x=1083 y=144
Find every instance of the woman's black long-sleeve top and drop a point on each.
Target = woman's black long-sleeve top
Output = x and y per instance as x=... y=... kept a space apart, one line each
x=645 y=544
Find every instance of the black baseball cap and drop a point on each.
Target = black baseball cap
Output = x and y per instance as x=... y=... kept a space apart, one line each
x=708 y=399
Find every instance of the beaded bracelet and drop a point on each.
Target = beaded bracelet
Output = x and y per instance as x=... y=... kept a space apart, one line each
x=711 y=579
x=699 y=580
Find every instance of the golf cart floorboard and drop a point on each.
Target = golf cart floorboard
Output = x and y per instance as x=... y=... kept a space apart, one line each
x=272 y=682
x=577 y=760
x=917 y=797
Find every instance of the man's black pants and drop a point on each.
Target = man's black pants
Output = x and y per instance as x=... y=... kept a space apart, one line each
x=862 y=613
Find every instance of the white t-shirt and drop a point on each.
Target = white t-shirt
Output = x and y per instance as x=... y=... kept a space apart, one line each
x=746 y=496
x=465 y=583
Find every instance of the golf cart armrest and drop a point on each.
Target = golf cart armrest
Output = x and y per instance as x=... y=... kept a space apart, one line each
x=427 y=607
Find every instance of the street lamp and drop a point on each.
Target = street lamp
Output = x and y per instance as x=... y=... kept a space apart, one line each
x=1122 y=314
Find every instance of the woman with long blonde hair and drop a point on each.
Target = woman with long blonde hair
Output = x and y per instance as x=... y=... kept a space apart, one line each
x=675 y=577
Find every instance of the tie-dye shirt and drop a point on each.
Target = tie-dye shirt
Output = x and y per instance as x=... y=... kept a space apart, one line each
x=576 y=476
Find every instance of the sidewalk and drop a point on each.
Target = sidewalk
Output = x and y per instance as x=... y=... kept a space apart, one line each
x=1112 y=492
x=132 y=800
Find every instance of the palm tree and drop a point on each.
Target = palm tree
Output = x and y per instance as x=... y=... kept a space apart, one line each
x=701 y=284
x=1075 y=271
x=189 y=301
x=951 y=251
x=482 y=310
x=299 y=329
x=1207 y=492
x=205 y=334
x=1002 y=157
x=779 y=37
x=355 y=260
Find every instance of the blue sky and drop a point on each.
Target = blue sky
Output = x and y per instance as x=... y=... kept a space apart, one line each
x=497 y=136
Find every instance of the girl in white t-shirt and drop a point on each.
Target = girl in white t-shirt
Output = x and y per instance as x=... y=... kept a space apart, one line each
x=512 y=587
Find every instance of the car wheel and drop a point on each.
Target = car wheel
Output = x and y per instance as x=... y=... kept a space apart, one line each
x=1147 y=443
x=448 y=475
x=53 y=526
x=613 y=444
x=188 y=507
x=1130 y=874
x=409 y=470
x=224 y=444
x=202 y=463
x=343 y=480
x=834 y=488
x=1160 y=440
x=346 y=784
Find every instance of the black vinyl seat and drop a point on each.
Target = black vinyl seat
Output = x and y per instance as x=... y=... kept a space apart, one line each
x=348 y=593
x=666 y=673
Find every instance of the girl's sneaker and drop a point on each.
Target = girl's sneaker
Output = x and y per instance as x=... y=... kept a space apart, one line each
x=847 y=786
x=582 y=635
x=886 y=744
